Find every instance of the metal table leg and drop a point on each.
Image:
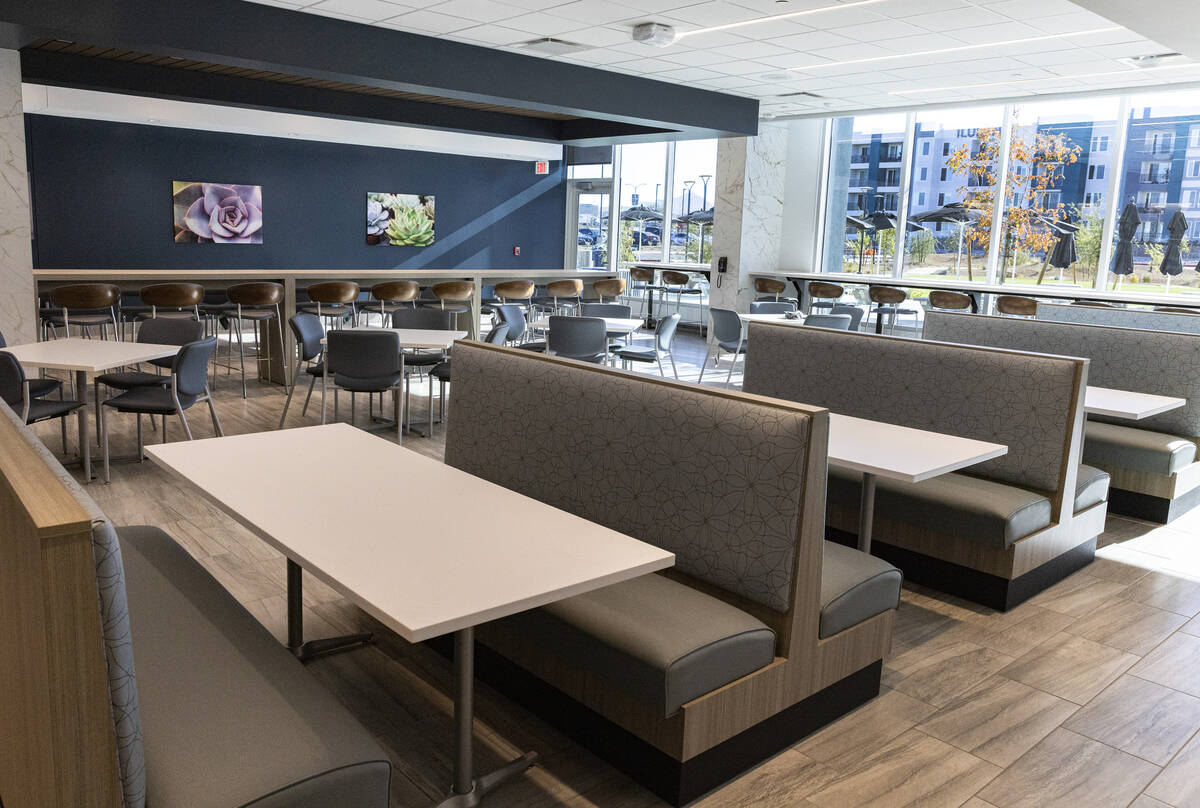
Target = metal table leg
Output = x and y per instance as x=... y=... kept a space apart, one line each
x=468 y=790
x=304 y=651
x=85 y=442
x=866 y=512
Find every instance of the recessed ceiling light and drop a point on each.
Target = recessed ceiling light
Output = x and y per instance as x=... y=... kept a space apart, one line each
x=786 y=16
x=957 y=48
x=1156 y=60
x=1029 y=81
x=552 y=46
x=774 y=77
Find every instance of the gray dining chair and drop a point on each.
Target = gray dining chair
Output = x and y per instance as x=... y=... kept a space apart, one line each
x=366 y=361
x=853 y=312
x=416 y=360
x=838 y=321
x=38 y=387
x=189 y=386
x=513 y=316
x=16 y=390
x=441 y=372
x=664 y=339
x=156 y=331
x=772 y=307
x=616 y=311
x=727 y=335
x=582 y=338
x=308 y=331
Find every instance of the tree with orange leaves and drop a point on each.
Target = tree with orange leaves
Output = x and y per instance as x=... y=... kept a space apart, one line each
x=1035 y=167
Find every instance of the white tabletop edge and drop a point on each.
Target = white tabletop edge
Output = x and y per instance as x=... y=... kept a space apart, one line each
x=120 y=353
x=975 y=451
x=1147 y=404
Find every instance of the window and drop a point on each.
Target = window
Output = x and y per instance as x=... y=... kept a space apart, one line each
x=921 y=199
x=1155 y=173
x=925 y=145
x=941 y=200
x=643 y=178
x=1099 y=143
x=1194 y=143
x=692 y=202
x=1193 y=168
x=889 y=178
x=890 y=153
x=1093 y=199
x=924 y=173
x=946 y=149
x=942 y=175
x=1095 y=172
x=1193 y=199
x=1159 y=141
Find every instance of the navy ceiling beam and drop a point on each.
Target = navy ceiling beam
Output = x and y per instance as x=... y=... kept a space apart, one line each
x=259 y=37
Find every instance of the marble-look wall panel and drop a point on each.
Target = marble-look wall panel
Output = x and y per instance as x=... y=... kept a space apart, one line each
x=17 y=304
x=748 y=221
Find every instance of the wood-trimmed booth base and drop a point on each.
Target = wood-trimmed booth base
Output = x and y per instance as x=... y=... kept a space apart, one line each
x=1149 y=507
x=676 y=782
x=979 y=587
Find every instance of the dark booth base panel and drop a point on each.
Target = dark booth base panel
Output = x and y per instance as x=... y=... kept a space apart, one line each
x=983 y=588
x=676 y=782
x=1150 y=507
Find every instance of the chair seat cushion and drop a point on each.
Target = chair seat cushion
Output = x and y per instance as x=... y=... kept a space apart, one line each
x=441 y=372
x=317 y=369
x=372 y=384
x=637 y=354
x=663 y=642
x=130 y=379
x=42 y=408
x=229 y=717
x=1091 y=487
x=43 y=387
x=423 y=359
x=152 y=400
x=966 y=507
x=538 y=346
x=1127 y=447
x=733 y=346
x=854 y=587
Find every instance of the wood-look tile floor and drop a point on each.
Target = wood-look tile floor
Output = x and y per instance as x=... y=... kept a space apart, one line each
x=1086 y=696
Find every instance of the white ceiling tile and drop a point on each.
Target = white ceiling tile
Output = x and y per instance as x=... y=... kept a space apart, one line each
x=752 y=50
x=883 y=30
x=959 y=18
x=641 y=66
x=773 y=30
x=372 y=10
x=713 y=13
x=597 y=37
x=534 y=5
x=326 y=12
x=478 y=10
x=745 y=68
x=716 y=39
x=698 y=58
x=596 y=12
x=492 y=35
x=686 y=75
x=541 y=24
x=1032 y=9
x=902 y=9
x=818 y=39
x=428 y=22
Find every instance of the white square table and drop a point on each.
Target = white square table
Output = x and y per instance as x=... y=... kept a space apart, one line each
x=84 y=356
x=899 y=453
x=434 y=575
x=1127 y=404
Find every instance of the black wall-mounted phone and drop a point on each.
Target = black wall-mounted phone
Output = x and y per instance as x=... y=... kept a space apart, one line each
x=722 y=268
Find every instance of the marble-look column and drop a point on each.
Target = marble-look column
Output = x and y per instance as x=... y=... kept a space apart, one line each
x=17 y=297
x=748 y=220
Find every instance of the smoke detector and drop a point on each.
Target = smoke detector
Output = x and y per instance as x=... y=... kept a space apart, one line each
x=657 y=34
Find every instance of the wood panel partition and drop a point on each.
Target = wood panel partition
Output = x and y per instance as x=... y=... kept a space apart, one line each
x=57 y=746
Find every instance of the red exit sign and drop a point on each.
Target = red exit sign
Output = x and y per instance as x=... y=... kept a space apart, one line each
x=541 y=167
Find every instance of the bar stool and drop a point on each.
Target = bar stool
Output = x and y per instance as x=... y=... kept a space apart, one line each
x=177 y=301
x=516 y=292
x=824 y=294
x=1174 y=310
x=458 y=294
x=769 y=288
x=1015 y=306
x=255 y=302
x=949 y=301
x=333 y=300
x=612 y=287
x=677 y=282
x=94 y=304
x=643 y=281
x=394 y=292
x=561 y=297
x=887 y=300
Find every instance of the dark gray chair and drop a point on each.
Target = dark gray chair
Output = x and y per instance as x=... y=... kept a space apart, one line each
x=38 y=387
x=853 y=312
x=664 y=338
x=189 y=385
x=617 y=311
x=582 y=338
x=420 y=360
x=838 y=321
x=160 y=331
x=364 y=361
x=497 y=336
x=513 y=316
x=16 y=391
x=308 y=331
x=772 y=307
x=727 y=335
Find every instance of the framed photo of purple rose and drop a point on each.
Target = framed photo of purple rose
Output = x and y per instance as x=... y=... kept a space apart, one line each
x=214 y=212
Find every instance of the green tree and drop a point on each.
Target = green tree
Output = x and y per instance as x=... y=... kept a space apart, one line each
x=920 y=246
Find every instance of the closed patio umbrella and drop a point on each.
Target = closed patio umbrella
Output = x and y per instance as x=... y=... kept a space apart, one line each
x=880 y=221
x=1122 y=263
x=1172 y=263
x=1064 y=254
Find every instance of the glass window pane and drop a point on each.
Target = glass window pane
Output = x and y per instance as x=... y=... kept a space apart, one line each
x=643 y=174
x=592 y=252
x=1058 y=174
x=951 y=193
x=693 y=201
x=865 y=163
x=1162 y=176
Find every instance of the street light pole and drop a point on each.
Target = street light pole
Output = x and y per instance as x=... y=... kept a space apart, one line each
x=705 y=178
x=687 y=226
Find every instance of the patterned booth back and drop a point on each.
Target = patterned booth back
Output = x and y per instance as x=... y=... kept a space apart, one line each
x=1028 y=403
x=1160 y=362
x=715 y=477
x=1122 y=318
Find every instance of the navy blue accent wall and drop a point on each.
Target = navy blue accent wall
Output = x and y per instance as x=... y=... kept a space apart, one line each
x=102 y=200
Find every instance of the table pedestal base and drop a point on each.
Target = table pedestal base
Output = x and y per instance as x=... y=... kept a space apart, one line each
x=866 y=512
x=304 y=651
x=469 y=790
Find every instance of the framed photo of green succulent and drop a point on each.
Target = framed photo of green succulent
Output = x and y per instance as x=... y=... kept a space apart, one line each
x=399 y=220
x=214 y=212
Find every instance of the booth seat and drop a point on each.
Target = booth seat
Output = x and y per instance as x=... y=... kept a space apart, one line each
x=760 y=634
x=997 y=532
x=1152 y=462
x=191 y=701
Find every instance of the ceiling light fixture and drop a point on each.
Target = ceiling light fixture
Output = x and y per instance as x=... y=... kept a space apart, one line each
x=787 y=16
x=958 y=48
x=1126 y=72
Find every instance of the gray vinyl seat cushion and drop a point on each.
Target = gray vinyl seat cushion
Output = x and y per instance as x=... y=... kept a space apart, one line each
x=1128 y=447
x=127 y=380
x=43 y=387
x=153 y=400
x=229 y=717
x=1091 y=487
x=855 y=586
x=664 y=642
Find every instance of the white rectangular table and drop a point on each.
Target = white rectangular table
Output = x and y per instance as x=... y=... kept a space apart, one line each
x=614 y=325
x=84 y=356
x=1127 y=404
x=465 y=557
x=900 y=453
